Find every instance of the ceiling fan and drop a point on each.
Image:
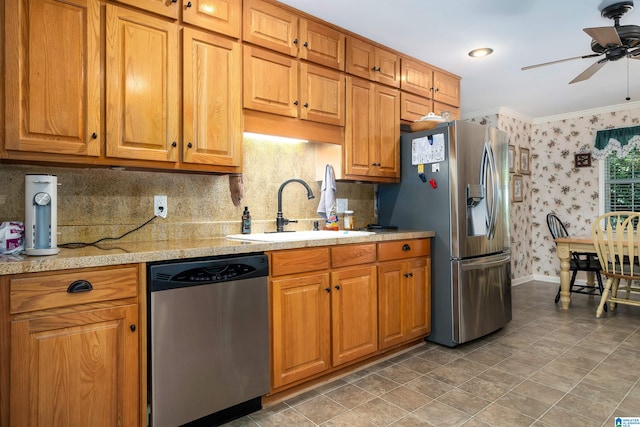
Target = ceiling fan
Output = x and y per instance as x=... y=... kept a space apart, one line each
x=614 y=43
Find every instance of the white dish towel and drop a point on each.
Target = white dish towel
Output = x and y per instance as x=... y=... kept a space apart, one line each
x=327 y=206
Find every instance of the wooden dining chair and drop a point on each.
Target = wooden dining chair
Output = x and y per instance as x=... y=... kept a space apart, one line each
x=579 y=261
x=615 y=237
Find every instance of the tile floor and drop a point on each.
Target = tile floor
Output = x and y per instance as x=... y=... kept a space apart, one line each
x=548 y=368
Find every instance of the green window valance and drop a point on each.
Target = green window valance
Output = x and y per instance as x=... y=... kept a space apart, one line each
x=620 y=140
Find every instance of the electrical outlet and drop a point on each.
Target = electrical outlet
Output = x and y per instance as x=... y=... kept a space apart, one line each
x=342 y=205
x=160 y=205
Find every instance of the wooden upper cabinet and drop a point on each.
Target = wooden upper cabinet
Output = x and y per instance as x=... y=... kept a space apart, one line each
x=270 y=82
x=142 y=88
x=52 y=60
x=321 y=94
x=371 y=62
x=446 y=88
x=168 y=8
x=321 y=44
x=221 y=16
x=270 y=26
x=212 y=104
x=416 y=78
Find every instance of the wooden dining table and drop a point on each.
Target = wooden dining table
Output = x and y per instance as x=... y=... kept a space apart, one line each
x=566 y=245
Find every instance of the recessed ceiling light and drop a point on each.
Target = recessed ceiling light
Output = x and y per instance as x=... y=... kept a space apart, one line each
x=479 y=53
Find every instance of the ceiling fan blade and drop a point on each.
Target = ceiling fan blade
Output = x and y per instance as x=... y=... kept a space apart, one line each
x=635 y=54
x=604 y=35
x=593 y=55
x=589 y=71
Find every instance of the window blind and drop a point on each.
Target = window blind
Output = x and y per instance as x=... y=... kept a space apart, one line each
x=622 y=182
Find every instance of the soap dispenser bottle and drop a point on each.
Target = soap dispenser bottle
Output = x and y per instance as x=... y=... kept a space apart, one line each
x=246 y=221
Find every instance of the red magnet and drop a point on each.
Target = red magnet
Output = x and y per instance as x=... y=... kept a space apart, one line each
x=433 y=183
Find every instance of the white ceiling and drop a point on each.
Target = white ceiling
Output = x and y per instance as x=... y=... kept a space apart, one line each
x=520 y=32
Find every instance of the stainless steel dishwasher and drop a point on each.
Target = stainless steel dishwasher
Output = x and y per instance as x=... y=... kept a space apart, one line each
x=208 y=339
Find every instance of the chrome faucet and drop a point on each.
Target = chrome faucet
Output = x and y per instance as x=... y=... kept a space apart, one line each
x=280 y=220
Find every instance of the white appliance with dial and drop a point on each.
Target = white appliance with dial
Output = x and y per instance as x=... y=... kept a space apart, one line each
x=41 y=214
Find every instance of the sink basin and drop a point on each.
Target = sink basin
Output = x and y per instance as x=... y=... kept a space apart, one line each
x=293 y=236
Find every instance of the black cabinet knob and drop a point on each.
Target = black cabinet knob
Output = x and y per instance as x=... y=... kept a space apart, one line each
x=295 y=102
x=133 y=328
x=295 y=41
x=306 y=44
x=94 y=136
x=327 y=289
x=306 y=105
x=174 y=1
x=406 y=247
x=337 y=287
x=174 y=144
x=189 y=4
x=189 y=145
x=373 y=68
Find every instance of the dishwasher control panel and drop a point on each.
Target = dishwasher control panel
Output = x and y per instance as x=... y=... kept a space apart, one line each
x=214 y=274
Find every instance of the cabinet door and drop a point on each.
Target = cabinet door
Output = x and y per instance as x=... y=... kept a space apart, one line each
x=300 y=320
x=454 y=112
x=416 y=78
x=321 y=44
x=221 y=16
x=359 y=127
x=142 y=89
x=360 y=58
x=387 y=132
x=418 y=298
x=52 y=60
x=354 y=318
x=212 y=126
x=270 y=82
x=76 y=369
x=387 y=67
x=270 y=26
x=321 y=94
x=390 y=304
x=446 y=89
x=413 y=107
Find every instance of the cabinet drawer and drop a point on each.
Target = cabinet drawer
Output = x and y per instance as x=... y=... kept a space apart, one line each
x=346 y=255
x=400 y=249
x=299 y=261
x=44 y=291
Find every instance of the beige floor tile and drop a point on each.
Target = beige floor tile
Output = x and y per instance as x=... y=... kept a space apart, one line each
x=463 y=401
x=541 y=392
x=557 y=416
x=399 y=373
x=419 y=364
x=288 y=417
x=441 y=415
x=349 y=396
x=375 y=384
x=486 y=389
x=406 y=398
x=429 y=386
x=411 y=421
x=585 y=407
x=526 y=405
x=500 y=416
x=320 y=409
x=380 y=412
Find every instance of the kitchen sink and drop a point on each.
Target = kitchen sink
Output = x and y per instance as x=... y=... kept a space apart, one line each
x=292 y=236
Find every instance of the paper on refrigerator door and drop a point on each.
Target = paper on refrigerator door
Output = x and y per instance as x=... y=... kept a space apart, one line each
x=428 y=149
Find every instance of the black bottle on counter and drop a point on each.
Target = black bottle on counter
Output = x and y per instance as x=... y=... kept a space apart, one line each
x=246 y=221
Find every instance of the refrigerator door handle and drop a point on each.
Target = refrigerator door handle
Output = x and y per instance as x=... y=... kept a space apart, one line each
x=494 y=190
x=485 y=265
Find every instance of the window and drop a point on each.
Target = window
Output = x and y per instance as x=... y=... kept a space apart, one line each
x=622 y=182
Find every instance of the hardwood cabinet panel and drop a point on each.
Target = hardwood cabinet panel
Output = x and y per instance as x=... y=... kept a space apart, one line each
x=212 y=105
x=321 y=44
x=416 y=78
x=439 y=107
x=387 y=68
x=418 y=298
x=221 y=16
x=301 y=337
x=321 y=94
x=142 y=93
x=270 y=26
x=413 y=107
x=167 y=8
x=354 y=317
x=387 y=136
x=52 y=61
x=76 y=369
x=446 y=89
x=390 y=297
x=371 y=62
x=359 y=128
x=402 y=249
x=270 y=82
x=347 y=255
x=299 y=261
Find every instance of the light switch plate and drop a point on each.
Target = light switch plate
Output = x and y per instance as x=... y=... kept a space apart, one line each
x=342 y=205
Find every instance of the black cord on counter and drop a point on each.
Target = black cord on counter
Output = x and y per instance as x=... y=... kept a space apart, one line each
x=78 y=245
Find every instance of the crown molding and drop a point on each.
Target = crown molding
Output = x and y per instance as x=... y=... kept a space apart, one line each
x=500 y=111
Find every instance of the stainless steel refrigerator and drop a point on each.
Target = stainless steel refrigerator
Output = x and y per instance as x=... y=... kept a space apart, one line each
x=455 y=181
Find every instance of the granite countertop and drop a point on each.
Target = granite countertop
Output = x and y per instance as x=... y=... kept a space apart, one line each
x=137 y=252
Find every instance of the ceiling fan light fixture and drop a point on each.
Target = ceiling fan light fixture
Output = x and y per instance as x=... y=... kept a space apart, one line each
x=479 y=53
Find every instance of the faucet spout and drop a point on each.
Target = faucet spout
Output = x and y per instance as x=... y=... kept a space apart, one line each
x=280 y=220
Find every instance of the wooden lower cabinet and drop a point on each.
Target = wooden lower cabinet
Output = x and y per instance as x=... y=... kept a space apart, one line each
x=404 y=298
x=74 y=347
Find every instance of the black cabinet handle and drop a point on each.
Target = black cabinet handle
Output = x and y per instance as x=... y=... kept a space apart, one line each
x=295 y=41
x=80 y=286
x=174 y=1
x=406 y=247
x=133 y=328
x=306 y=105
x=306 y=44
x=328 y=289
x=437 y=89
x=373 y=68
x=295 y=102
x=337 y=287
x=189 y=4
x=189 y=145
x=174 y=144
x=94 y=136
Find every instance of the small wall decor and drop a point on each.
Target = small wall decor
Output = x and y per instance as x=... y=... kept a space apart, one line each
x=525 y=164
x=517 y=188
x=512 y=158
x=582 y=160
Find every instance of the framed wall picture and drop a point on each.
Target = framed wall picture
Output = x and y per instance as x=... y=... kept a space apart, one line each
x=582 y=160
x=525 y=164
x=517 y=188
x=512 y=158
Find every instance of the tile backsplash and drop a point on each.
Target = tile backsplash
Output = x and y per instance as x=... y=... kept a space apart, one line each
x=97 y=203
